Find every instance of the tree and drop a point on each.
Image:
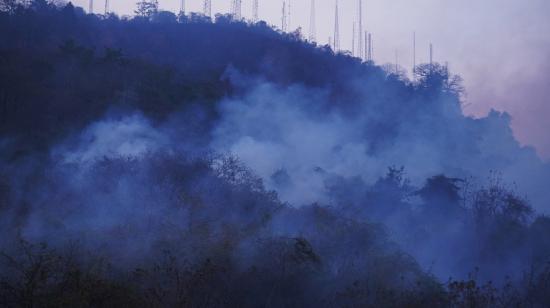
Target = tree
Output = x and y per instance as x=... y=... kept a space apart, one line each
x=165 y=17
x=501 y=204
x=40 y=5
x=390 y=193
x=146 y=8
x=8 y=6
x=394 y=185
x=539 y=232
x=441 y=195
x=437 y=76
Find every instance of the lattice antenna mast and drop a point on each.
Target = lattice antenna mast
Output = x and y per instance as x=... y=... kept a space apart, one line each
x=431 y=55
x=288 y=17
x=106 y=7
x=336 y=46
x=366 y=43
x=360 y=46
x=414 y=56
x=353 y=40
x=255 y=11
x=283 y=18
x=207 y=8
x=182 y=6
x=91 y=7
x=312 y=29
x=372 y=48
x=396 y=62
x=236 y=9
x=369 y=48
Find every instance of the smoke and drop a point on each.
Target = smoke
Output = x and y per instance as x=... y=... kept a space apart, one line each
x=273 y=128
x=260 y=160
x=310 y=154
x=129 y=136
x=126 y=183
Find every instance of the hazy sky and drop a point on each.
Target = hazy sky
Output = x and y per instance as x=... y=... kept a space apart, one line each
x=500 y=47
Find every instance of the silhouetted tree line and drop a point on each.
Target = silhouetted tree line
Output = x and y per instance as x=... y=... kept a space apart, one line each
x=205 y=232
x=173 y=229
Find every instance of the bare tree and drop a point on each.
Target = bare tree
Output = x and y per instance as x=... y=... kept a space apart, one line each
x=146 y=8
x=8 y=6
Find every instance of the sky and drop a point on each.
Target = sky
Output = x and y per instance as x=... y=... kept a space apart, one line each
x=500 y=47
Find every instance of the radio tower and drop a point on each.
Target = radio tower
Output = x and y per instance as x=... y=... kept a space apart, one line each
x=414 y=56
x=431 y=55
x=353 y=40
x=283 y=18
x=207 y=8
x=369 y=48
x=106 y=7
x=336 y=45
x=312 y=30
x=288 y=19
x=255 y=11
x=236 y=9
x=91 y=7
x=366 y=50
x=396 y=62
x=182 y=7
x=360 y=46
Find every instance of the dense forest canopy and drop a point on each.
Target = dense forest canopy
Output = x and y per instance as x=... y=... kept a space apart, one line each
x=175 y=160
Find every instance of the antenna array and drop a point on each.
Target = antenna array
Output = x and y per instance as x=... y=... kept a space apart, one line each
x=312 y=29
x=255 y=11
x=370 y=52
x=431 y=55
x=353 y=40
x=236 y=9
x=207 y=8
x=414 y=56
x=362 y=45
x=366 y=41
x=336 y=46
x=288 y=23
x=284 y=22
x=360 y=51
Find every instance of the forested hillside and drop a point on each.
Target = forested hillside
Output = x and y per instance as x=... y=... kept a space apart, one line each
x=167 y=160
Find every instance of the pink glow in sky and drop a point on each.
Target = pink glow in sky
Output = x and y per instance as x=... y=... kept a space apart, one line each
x=500 y=47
